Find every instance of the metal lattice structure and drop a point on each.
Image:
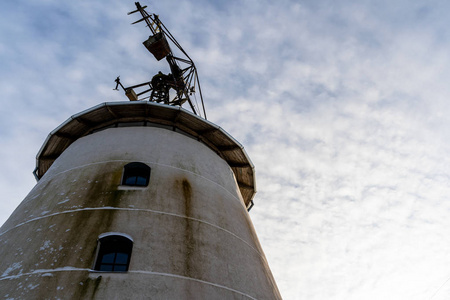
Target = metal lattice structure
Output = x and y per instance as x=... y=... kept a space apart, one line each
x=183 y=79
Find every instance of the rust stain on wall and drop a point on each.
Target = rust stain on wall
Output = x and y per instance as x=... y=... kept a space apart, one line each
x=189 y=239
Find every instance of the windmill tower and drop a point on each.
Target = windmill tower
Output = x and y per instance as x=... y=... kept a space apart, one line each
x=138 y=200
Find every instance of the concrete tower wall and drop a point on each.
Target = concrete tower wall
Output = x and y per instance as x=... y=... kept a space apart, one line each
x=192 y=236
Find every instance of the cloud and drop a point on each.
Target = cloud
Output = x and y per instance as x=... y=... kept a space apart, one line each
x=342 y=107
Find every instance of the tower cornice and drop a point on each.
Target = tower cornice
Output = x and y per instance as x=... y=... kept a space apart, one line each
x=140 y=113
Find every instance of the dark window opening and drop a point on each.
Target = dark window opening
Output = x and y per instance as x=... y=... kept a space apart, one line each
x=136 y=174
x=114 y=254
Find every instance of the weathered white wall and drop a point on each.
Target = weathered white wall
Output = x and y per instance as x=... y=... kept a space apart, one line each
x=193 y=238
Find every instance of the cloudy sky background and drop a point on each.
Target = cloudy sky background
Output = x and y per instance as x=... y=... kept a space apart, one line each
x=342 y=107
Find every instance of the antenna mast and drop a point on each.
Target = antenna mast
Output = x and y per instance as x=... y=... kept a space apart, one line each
x=183 y=78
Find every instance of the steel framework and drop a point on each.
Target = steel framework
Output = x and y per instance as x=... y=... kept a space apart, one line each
x=183 y=78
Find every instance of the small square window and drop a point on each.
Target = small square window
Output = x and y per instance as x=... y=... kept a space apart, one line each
x=136 y=174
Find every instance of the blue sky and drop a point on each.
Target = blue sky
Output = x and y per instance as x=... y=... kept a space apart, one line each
x=342 y=107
